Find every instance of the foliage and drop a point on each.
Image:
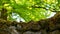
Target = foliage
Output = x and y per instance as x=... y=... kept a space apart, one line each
x=30 y=9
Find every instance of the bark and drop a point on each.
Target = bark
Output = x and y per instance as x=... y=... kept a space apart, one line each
x=4 y=13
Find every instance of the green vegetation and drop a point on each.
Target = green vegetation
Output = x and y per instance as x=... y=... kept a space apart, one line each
x=34 y=12
x=30 y=9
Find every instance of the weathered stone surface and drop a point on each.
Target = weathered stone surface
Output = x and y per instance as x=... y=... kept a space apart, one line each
x=44 y=26
x=29 y=32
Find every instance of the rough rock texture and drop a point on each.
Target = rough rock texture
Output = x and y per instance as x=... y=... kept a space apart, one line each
x=44 y=26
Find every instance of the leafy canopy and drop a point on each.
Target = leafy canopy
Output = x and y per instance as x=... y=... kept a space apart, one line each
x=30 y=9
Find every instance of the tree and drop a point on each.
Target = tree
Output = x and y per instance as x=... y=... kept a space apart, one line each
x=30 y=9
x=35 y=13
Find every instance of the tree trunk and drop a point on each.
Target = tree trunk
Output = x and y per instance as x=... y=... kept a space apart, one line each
x=4 y=14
